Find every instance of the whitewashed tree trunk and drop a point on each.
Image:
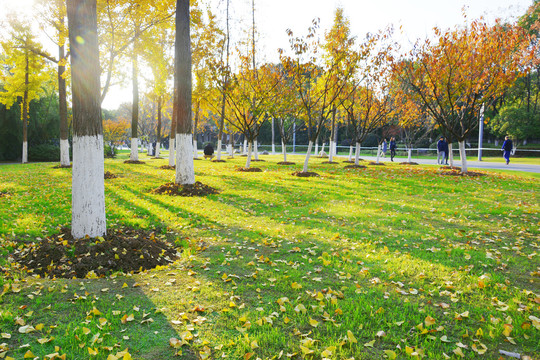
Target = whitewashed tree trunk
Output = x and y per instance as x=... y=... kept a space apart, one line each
x=218 y=156
x=409 y=152
x=245 y=147
x=230 y=150
x=185 y=173
x=378 y=153
x=308 y=153
x=273 y=139
x=322 y=149
x=195 y=150
x=317 y=147
x=463 y=156
x=149 y=148
x=24 y=152
x=284 y=150
x=350 y=152
x=88 y=193
x=64 y=153
x=357 y=154
x=331 y=152
x=256 y=149
x=158 y=146
x=249 y=151
x=134 y=155
x=171 y=153
x=450 y=155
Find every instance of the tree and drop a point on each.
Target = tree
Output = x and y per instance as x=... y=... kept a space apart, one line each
x=463 y=70
x=88 y=188
x=185 y=173
x=115 y=132
x=22 y=74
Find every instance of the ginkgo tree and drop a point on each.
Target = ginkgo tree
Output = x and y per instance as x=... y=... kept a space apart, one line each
x=464 y=69
x=22 y=73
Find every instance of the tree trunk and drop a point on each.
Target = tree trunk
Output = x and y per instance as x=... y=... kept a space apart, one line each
x=350 y=152
x=256 y=149
x=273 y=139
x=185 y=172
x=134 y=155
x=172 y=136
x=158 y=133
x=284 y=150
x=463 y=156
x=25 y=110
x=409 y=152
x=195 y=150
x=308 y=153
x=62 y=108
x=88 y=192
x=450 y=155
x=378 y=153
x=357 y=154
x=249 y=151
x=322 y=150
x=317 y=146
x=245 y=146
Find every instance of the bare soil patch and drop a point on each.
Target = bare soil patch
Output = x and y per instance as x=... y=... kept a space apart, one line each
x=122 y=249
x=110 y=175
x=286 y=163
x=251 y=169
x=408 y=163
x=330 y=162
x=62 y=167
x=218 y=161
x=197 y=189
x=355 y=167
x=260 y=160
x=305 y=174
x=168 y=167
x=376 y=164
x=459 y=173
x=134 y=162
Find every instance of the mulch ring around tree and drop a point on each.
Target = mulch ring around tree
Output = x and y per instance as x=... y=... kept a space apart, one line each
x=197 y=189
x=305 y=174
x=110 y=175
x=454 y=172
x=260 y=160
x=62 y=166
x=286 y=163
x=122 y=249
x=355 y=167
x=134 y=162
x=330 y=162
x=218 y=161
x=167 y=167
x=250 y=169
x=408 y=163
x=375 y=163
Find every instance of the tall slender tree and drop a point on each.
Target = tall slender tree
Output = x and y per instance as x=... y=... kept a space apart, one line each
x=88 y=188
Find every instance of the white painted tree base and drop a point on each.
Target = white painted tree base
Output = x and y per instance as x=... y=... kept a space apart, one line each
x=158 y=148
x=308 y=153
x=331 y=152
x=463 y=156
x=357 y=154
x=249 y=152
x=185 y=172
x=284 y=149
x=24 y=152
x=88 y=188
x=171 y=152
x=218 y=156
x=64 y=153
x=195 y=150
x=134 y=155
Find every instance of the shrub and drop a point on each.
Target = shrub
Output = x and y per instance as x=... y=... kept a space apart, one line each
x=44 y=152
x=108 y=151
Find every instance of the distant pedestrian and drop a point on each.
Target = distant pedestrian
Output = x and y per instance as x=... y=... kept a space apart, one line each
x=446 y=151
x=441 y=151
x=507 y=149
x=393 y=147
x=384 y=148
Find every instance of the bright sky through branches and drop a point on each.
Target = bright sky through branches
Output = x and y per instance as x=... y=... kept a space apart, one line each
x=273 y=17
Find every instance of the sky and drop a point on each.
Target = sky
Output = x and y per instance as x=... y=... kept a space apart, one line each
x=273 y=17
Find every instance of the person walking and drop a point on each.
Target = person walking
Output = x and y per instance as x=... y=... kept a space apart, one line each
x=507 y=149
x=392 y=148
x=384 y=148
x=441 y=151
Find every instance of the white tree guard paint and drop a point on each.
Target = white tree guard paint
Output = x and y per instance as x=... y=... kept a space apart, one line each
x=463 y=156
x=378 y=153
x=230 y=150
x=24 y=152
x=171 y=152
x=273 y=149
x=185 y=172
x=409 y=152
x=245 y=147
x=158 y=149
x=350 y=152
x=149 y=148
x=357 y=154
x=450 y=155
x=284 y=149
x=195 y=150
x=316 y=148
x=88 y=188
x=64 y=153
x=308 y=153
x=256 y=149
x=249 y=151
x=134 y=155
x=322 y=149
x=218 y=157
x=331 y=151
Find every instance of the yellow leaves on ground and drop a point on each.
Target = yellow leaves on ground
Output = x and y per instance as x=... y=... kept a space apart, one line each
x=296 y=286
x=313 y=322
x=127 y=318
x=390 y=354
x=351 y=338
x=429 y=321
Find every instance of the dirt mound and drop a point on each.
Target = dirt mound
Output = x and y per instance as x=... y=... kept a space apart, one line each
x=260 y=160
x=408 y=163
x=124 y=249
x=285 y=163
x=4 y=194
x=355 y=167
x=197 y=189
x=110 y=175
x=305 y=174
x=167 y=167
x=62 y=167
x=218 y=161
x=134 y=162
x=377 y=164
x=251 y=169
x=329 y=162
x=459 y=173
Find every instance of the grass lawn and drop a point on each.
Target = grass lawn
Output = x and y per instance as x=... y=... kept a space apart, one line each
x=389 y=262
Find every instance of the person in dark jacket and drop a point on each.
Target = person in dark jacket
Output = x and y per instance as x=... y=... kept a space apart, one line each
x=208 y=151
x=441 y=151
x=507 y=149
x=393 y=147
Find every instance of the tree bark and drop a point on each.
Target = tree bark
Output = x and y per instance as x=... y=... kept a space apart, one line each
x=284 y=150
x=249 y=151
x=172 y=136
x=158 y=132
x=25 y=109
x=273 y=139
x=350 y=152
x=308 y=153
x=463 y=156
x=450 y=155
x=62 y=108
x=185 y=172
x=88 y=193
x=134 y=156
x=357 y=154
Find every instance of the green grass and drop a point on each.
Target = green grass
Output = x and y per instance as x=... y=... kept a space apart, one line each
x=285 y=264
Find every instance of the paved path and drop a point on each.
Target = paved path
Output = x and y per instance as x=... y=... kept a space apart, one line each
x=471 y=164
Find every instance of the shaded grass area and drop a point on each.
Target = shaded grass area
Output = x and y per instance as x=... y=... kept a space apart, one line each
x=353 y=263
